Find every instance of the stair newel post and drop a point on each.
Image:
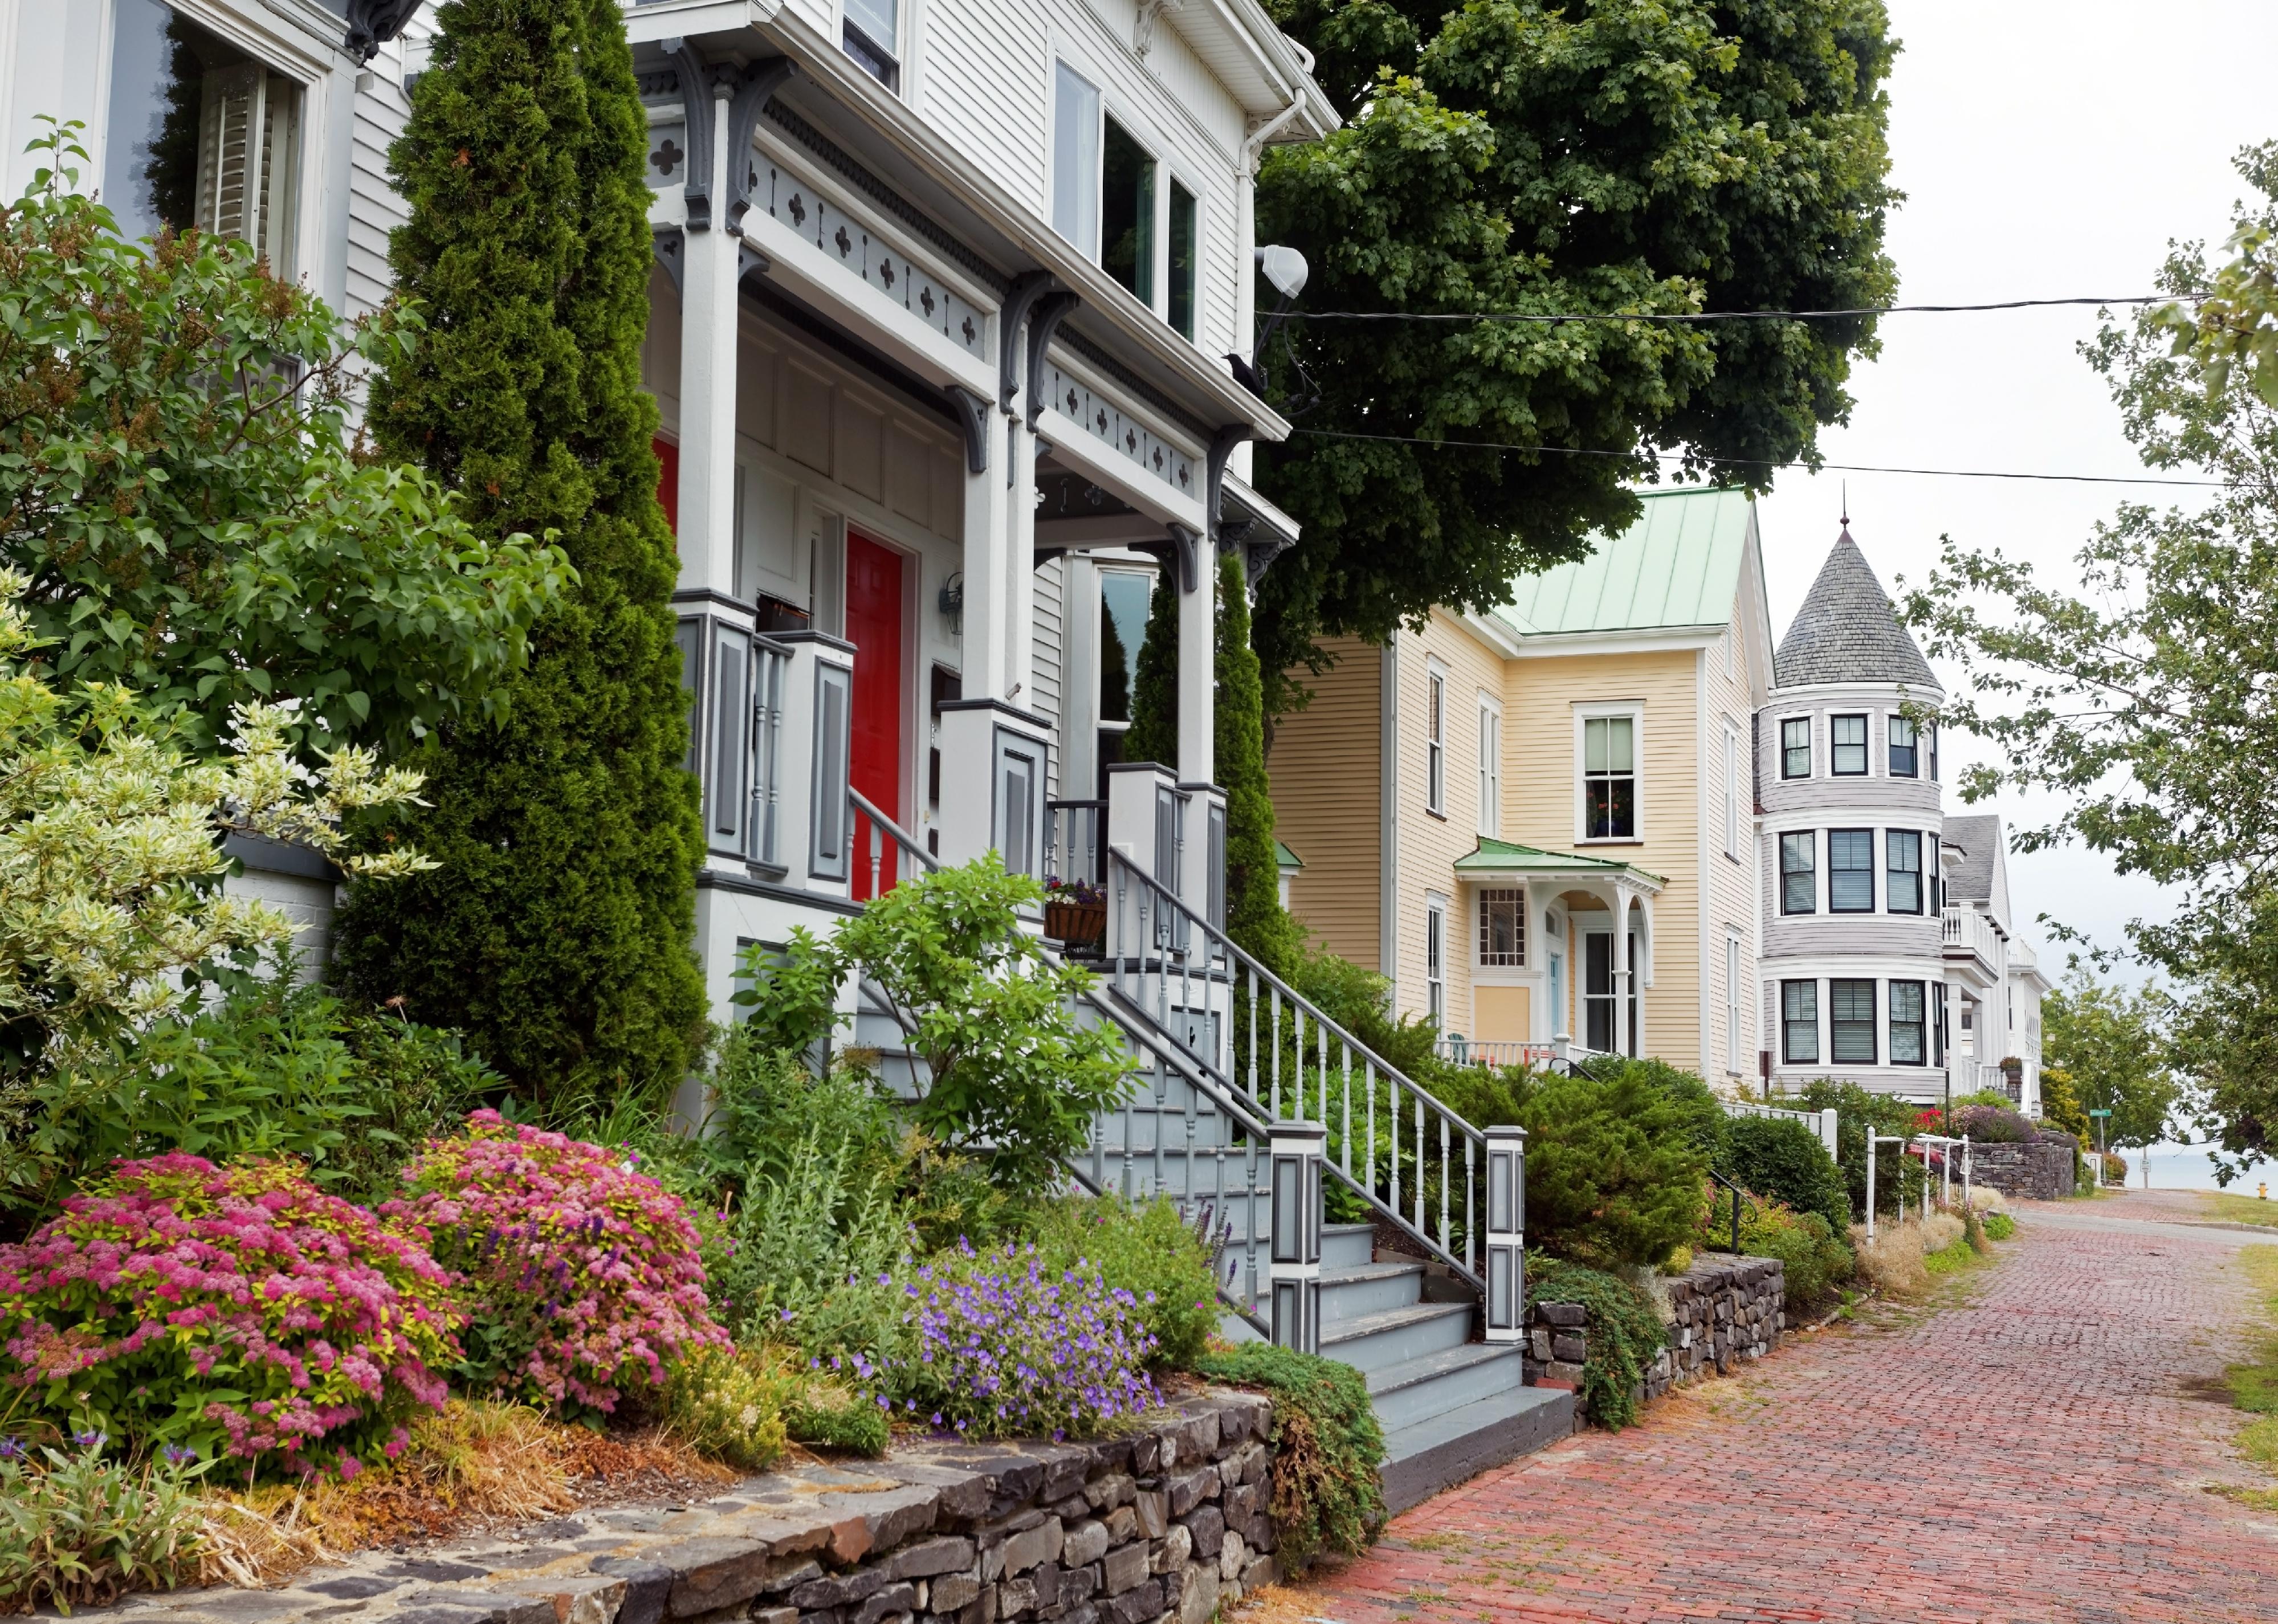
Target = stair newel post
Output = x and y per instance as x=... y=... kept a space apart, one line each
x=1297 y=1150
x=1446 y=1177
x=1505 y=1263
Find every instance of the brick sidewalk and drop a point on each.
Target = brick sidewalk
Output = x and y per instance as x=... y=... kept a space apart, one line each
x=2026 y=1453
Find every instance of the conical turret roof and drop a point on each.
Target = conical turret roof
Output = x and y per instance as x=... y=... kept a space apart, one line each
x=1846 y=631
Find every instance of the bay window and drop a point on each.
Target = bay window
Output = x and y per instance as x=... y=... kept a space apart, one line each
x=1799 y=1023
x=1902 y=886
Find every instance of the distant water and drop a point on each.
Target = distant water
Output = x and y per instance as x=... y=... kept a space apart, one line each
x=2186 y=1167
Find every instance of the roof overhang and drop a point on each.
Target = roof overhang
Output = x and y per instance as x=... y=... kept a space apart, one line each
x=1263 y=66
x=1633 y=640
x=1512 y=864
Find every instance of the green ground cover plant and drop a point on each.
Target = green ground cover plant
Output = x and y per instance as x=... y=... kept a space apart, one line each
x=1147 y=1248
x=80 y=1526
x=1626 y=1332
x=1999 y=1226
x=1328 y=1447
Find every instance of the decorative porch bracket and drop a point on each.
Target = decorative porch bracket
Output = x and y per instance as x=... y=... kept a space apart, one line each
x=1050 y=311
x=1506 y=1233
x=1296 y=1150
x=1012 y=320
x=973 y=417
x=760 y=81
x=695 y=75
x=1221 y=447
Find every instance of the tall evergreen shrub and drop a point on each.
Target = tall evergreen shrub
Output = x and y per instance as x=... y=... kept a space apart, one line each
x=557 y=931
x=1254 y=915
x=1154 y=735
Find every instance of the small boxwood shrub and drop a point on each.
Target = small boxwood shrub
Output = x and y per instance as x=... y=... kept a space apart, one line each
x=582 y=1277
x=1327 y=1447
x=1815 y=1258
x=1625 y=1332
x=1149 y=1250
x=1782 y=1160
x=234 y=1310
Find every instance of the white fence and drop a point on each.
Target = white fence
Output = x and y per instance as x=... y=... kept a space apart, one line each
x=1822 y=1123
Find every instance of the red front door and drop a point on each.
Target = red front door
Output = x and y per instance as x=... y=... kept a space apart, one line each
x=874 y=626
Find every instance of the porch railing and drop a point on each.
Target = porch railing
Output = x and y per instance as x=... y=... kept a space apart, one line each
x=1462 y=1051
x=1074 y=839
x=1822 y=1123
x=1400 y=1154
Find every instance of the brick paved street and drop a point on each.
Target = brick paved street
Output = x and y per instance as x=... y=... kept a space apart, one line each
x=2029 y=1453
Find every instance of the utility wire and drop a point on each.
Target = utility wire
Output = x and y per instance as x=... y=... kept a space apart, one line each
x=1840 y=467
x=1555 y=319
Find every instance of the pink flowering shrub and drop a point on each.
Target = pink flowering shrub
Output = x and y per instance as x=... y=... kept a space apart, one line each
x=581 y=1275
x=236 y=1310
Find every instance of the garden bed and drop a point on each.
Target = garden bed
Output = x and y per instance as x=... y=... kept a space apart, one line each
x=1169 y=1520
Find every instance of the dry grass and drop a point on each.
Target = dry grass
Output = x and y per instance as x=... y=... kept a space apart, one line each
x=1893 y=1262
x=476 y=1464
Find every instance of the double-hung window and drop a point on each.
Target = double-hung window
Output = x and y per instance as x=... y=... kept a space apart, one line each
x=1846 y=746
x=1732 y=793
x=1490 y=768
x=1902 y=882
x=1609 y=778
x=1799 y=1023
x=1435 y=743
x=1436 y=962
x=202 y=135
x=1732 y=1003
x=1909 y=1024
x=1906 y=748
x=1113 y=200
x=1502 y=929
x=1850 y=871
x=870 y=32
x=1795 y=747
x=1851 y=1011
x=1800 y=871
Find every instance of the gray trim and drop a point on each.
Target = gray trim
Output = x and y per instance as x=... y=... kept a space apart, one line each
x=692 y=77
x=717 y=880
x=972 y=417
x=1045 y=321
x=1077 y=344
x=822 y=638
x=760 y=81
x=1042 y=724
x=262 y=854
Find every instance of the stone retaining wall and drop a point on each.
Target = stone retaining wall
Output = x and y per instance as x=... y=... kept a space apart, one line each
x=1722 y=1310
x=2040 y=1171
x=1167 y=1524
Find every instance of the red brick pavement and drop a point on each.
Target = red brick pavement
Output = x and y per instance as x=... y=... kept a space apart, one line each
x=2027 y=1452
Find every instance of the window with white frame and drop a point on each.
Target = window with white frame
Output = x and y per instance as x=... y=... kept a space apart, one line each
x=1799 y=1023
x=1909 y=1024
x=202 y=135
x=1114 y=199
x=1436 y=961
x=870 y=32
x=1850 y=871
x=1435 y=743
x=1183 y=262
x=1905 y=755
x=1732 y=791
x=1795 y=747
x=1798 y=867
x=1902 y=877
x=1490 y=767
x=1502 y=928
x=1126 y=211
x=1732 y=1050
x=1075 y=158
x=1846 y=746
x=1610 y=786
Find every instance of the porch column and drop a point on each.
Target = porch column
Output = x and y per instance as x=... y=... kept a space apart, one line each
x=987 y=500
x=707 y=491
x=1194 y=568
x=1621 y=978
x=1018 y=582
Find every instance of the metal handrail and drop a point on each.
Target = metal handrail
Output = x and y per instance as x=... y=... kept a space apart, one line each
x=1735 y=1189
x=902 y=837
x=1166 y=925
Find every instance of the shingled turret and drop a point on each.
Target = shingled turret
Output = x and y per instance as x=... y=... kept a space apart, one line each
x=1846 y=631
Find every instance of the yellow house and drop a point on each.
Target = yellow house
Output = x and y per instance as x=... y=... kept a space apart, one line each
x=1479 y=801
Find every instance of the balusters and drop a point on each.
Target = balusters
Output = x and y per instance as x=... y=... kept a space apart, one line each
x=1447 y=1175
x=1392 y=1127
x=1344 y=1132
x=1251 y=977
x=1369 y=1074
x=1419 y=1098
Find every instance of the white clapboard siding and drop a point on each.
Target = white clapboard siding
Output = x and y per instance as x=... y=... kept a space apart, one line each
x=984 y=83
x=375 y=208
x=1049 y=645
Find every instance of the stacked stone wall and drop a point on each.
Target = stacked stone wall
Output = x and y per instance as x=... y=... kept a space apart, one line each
x=1721 y=1311
x=2041 y=1170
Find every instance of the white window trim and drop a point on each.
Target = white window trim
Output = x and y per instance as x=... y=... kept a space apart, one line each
x=1735 y=965
x=1633 y=709
x=1111 y=104
x=1435 y=986
x=1867 y=744
x=1490 y=765
x=1435 y=743
x=1732 y=818
x=1528 y=968
x=1810 y=720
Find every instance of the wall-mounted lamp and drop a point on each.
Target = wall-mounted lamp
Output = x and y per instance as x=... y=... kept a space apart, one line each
x=1285 y=268
x=952 y=603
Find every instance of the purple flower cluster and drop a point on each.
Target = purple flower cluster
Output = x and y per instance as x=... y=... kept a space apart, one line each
x=1000 y=1347
x=580 y=1274
x=238 y=1309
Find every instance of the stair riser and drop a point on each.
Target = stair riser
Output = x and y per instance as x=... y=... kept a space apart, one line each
x=1443 y=1393
x=1347 y=1246
x=1378 y=1349
x=1353 y=1300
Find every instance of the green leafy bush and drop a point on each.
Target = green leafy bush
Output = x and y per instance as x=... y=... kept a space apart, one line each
x=1146 y=1248
x=1855 y=1109
x=1625 y=1332
x=826 y=1415
x=728 y=1404
x=1816 y=1259
x=1999 y=1226
x=1613 y=1166
x=79 y=1530
x=1327 y=1447
x=1782 y=1160
x=1013 y=1076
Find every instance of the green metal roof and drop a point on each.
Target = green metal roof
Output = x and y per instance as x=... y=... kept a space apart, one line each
x=1678 y=565
x=1501 y=856
x=1283 y=857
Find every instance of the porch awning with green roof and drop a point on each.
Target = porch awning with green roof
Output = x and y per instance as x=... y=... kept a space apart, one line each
x=1285 y=858
x=1493 y=859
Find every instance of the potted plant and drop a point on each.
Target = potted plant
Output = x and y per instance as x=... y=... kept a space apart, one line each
x=1075 y=914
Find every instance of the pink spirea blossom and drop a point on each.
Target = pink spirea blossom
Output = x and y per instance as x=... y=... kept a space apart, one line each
x=581 y=1274
x=238 y=1307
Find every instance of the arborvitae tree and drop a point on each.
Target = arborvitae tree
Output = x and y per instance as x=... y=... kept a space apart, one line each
x=1114 y=673
x=557 y=931
x=1154 y=735
x=1254 y=915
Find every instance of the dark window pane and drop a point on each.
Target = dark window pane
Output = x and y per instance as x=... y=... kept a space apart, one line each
x=1185 y=258
x=1799 y=882
x=1904 y=759
x=1127 y=213
x=1795 y=747
x=1847 y=740
x=1850 y=1007
x=1850 y=871
x=1907 y=1023
x=1800 y=1022
x=1904 y=862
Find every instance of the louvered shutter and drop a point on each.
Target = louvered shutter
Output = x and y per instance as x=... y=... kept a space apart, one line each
x=247 y=155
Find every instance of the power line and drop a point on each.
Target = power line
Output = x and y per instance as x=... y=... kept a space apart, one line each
x=1559 y=318
x=1840 y=467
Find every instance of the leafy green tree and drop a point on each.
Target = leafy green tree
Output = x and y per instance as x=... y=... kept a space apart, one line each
x=1556 y=156
x=557 y=932
x=2139 y=690
x=1011 y=1072
x=1154 y=732
x=2112 y=1045
x=186 y=507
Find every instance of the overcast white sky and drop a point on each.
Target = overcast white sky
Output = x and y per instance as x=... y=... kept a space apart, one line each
x=2048 y=148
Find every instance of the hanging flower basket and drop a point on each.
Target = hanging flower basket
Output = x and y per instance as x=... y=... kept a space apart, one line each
x=1076 y=924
